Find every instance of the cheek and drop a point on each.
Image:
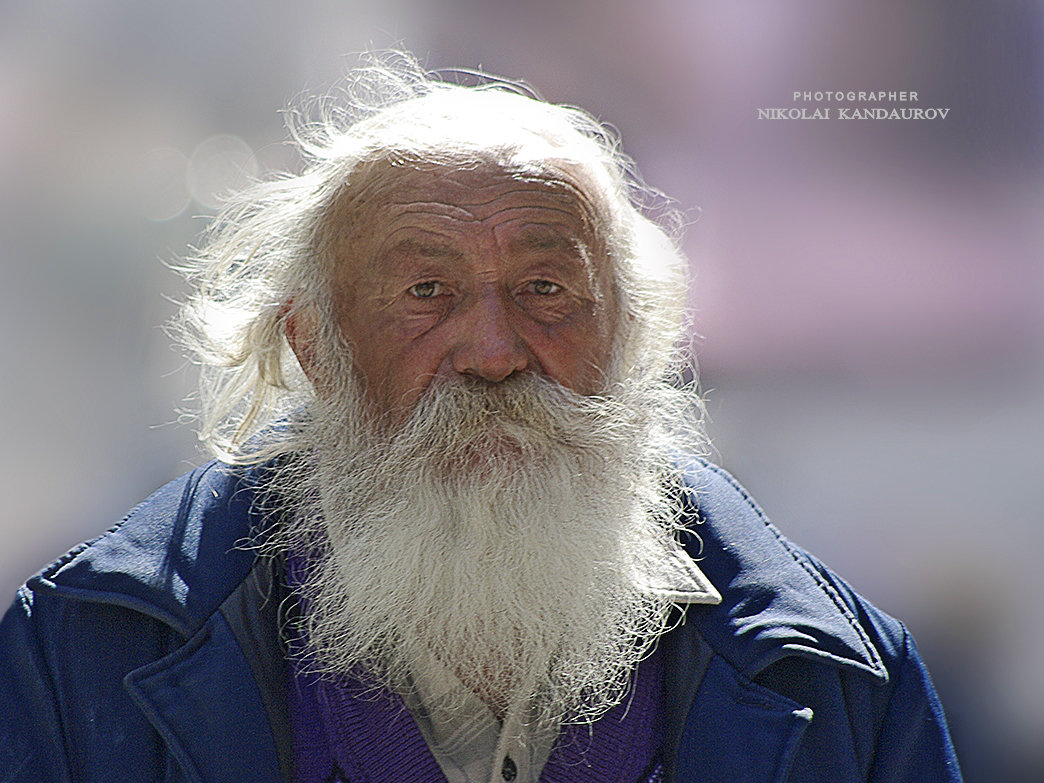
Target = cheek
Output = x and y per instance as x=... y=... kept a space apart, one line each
x=367 y=340
x=577 y=356
x=395 y=368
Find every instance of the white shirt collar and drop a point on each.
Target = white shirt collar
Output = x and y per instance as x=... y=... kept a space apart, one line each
x=678 y=577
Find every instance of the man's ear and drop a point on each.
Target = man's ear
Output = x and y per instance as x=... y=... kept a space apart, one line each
x=302 y=332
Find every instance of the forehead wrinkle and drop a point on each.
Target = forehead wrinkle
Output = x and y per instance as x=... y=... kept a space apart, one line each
x=457 y=193
x=434 y=208
x=494 y=186
x=439 y=219
x=573 y=214
x=472 y=211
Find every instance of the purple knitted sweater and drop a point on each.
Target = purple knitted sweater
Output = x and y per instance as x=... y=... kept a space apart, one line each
x=343 y=733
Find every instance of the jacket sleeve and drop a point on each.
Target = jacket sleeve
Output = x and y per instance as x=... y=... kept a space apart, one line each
x=914 y=743
x=32 y=748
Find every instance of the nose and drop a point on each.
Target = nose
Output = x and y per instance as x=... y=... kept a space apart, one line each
x=489 y=346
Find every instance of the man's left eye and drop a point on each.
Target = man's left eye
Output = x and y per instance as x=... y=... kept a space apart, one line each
x=544 y=287
x=426 y=290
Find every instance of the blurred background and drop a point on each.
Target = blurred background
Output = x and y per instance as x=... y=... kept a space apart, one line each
x=868 y=298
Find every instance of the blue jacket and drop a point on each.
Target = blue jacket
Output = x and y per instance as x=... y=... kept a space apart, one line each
x=153 y=654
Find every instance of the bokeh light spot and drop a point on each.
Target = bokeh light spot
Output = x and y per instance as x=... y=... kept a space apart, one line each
x=162 y=190
x=219 y=166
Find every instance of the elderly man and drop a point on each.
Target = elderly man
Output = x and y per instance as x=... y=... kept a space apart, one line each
x=455 y=527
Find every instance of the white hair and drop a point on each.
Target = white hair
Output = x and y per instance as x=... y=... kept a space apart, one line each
x=266 y=255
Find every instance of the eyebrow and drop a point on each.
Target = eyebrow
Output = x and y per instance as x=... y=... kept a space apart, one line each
x=411 y=247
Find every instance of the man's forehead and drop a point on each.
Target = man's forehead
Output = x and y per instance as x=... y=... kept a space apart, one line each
x=390 y=184
x=530 y=236
x=388 y=194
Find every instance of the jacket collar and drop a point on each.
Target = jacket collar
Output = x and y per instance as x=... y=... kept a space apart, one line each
x=776 y=599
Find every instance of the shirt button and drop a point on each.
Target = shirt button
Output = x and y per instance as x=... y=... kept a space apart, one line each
x=508 y=770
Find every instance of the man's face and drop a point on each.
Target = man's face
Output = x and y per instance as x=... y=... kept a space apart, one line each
x=509 y=481
x=443 y=272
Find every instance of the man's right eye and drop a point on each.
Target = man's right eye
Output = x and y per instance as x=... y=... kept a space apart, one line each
x=425 y=290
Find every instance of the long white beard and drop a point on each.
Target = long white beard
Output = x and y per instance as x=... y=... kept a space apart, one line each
x=507 y=532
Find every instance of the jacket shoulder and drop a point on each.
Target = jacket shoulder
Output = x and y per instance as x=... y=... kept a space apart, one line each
x=174 y=557
x=777 y=600
x=790 y=624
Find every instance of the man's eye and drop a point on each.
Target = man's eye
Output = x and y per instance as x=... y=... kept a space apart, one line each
x=545 y=287
x=425 y=290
